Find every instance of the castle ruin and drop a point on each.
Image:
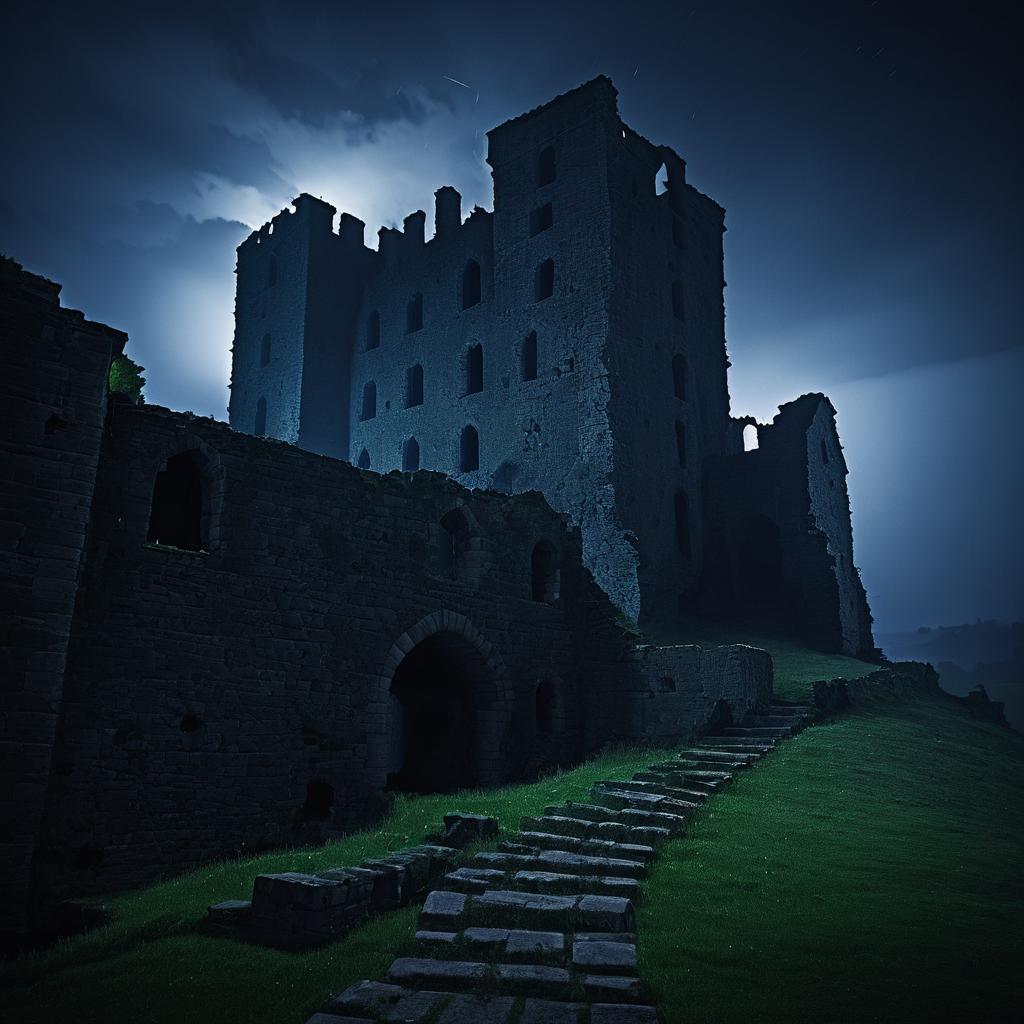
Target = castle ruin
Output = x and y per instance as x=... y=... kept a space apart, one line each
x=570 y=342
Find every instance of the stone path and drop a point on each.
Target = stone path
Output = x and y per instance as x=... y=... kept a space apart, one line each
x=543 y=928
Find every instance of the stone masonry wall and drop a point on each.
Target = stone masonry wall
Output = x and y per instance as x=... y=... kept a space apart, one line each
x=53 y=376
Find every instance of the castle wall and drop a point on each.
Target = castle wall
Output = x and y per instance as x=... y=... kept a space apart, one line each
x=53 y=376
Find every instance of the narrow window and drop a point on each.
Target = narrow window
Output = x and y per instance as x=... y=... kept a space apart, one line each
x=681 y=442
x=363 y=461
x=453 y=542
x=259 y=427
x=414 y=386
x=661 y=181
x=544 y=706
x=546 y=166
x=824 y=452
x=410 y=456
x=541 y=219
x=373 y=331
x=750 y=439
x=529 y=356
x=677 y=232
x=677 y=299
x=265 y=350
x=544 y=573
x=176 y=516
x=544 y=281
x=469 y=450
x=414 y=314
x=369 y=408
x=474 y=369
x=272 y=270
x=679 y=376
x=682 y=504
x=471 y=284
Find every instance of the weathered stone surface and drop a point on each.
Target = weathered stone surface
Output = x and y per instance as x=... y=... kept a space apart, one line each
x=534 y=979
x=610 y=987
x=471 y=1009
x=558 y=882
x=474 y=880
x=486 y=936
x=622 y=1013
x=446 y=938
x=606 y=913
x=441 y=974
x=230 y=913
x=546 y=1011
x=604 y=956
x=526 y=943
x=442 y=910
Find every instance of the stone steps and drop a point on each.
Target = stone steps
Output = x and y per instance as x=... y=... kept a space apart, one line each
x=559 y=860
x=542 y=930
x=603 y=831
x=710 y=756
x=534 y=841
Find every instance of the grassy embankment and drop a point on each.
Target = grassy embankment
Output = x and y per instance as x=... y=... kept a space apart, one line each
x=871 y=870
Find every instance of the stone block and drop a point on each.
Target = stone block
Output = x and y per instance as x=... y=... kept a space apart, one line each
x=594 y=955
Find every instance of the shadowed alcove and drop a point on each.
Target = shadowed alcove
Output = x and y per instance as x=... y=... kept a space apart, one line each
x=437 y=689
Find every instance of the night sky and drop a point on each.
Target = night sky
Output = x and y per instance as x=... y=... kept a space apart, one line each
x=866 y=153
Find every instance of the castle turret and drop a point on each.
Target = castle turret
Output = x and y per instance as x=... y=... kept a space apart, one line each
x=297 y=288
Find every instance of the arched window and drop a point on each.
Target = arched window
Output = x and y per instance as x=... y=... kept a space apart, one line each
x=363 y=462
x=546 y=166
x=679 y=376
x=373 y=330
x=677 y=299
x=176 y=516
x=824 y=452
x=474 y=369
x=528 y=361
x=265 y=350
x=259 y=427
x=681 y=442
x=682 y=510
x=544 y=573
x=272 y=270
x=544 y=706
x=544 y=281
x=453 y=542
x=410 y=456
x=750 y=439
x=414 y=314
x=469 y=450
x=414 y=386
x=661 y=181
x=369 y=408
x=471 y=284
x=541 y=219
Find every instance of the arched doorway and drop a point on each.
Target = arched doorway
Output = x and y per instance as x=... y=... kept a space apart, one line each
x=760 y=574
x=436 y=694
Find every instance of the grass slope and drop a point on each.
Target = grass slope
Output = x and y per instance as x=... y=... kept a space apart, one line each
x=154 y=965
x=869 y=870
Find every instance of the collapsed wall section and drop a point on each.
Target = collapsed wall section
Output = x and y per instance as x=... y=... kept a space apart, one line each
x=780 y=541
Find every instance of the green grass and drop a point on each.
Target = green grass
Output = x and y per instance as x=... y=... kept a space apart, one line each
x=869 y=870
x=153 y=964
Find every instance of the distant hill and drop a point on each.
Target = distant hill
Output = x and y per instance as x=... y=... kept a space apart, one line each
x=989 y=654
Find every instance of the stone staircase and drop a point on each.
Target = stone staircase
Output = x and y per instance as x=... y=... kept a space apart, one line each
x=543 y=929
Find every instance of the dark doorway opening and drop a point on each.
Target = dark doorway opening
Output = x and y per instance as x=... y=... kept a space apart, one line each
x=176 y=516
x=760 y=561
x=437 y=742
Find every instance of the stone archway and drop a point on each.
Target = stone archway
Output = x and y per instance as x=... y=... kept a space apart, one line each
x=447 y=704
